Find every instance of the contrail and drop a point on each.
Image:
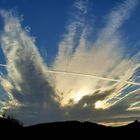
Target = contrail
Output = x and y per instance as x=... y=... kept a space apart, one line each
x=92 y=76
x=87 y=75
x=2 y=65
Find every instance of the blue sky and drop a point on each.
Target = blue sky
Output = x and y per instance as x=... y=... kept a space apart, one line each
x=48 y=19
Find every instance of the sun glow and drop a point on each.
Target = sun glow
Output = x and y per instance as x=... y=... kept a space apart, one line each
x=78 y=96
x=73 y=97
x=99 y=104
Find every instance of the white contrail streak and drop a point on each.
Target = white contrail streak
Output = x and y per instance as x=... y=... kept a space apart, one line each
x=2 y=65
x=92 y=76
x=87 y=75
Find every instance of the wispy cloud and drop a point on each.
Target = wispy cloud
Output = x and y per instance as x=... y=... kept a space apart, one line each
x=25 y=88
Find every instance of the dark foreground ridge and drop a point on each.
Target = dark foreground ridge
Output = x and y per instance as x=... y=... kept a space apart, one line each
x=10 y=122
x=81 y=125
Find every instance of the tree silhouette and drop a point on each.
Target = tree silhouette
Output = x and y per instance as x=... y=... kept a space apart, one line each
x=9 y=122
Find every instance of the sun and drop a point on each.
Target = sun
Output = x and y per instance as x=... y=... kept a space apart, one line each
x=99 y=104
x=76 y=96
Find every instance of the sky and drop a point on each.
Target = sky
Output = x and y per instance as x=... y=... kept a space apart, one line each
x=70 y=59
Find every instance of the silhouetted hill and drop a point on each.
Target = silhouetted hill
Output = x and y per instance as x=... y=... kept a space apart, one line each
x=9 y=122
x=80 y=125
x=68 y=125
x=135 y=124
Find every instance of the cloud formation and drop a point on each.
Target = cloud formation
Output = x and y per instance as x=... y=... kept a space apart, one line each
x=35 y=95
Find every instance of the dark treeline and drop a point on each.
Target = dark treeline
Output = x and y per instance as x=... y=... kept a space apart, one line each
x=10 y=122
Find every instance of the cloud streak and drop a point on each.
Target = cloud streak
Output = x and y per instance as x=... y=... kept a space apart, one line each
x=92 y=76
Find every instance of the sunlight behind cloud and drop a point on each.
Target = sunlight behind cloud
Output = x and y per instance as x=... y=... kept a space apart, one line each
x=99 y=105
